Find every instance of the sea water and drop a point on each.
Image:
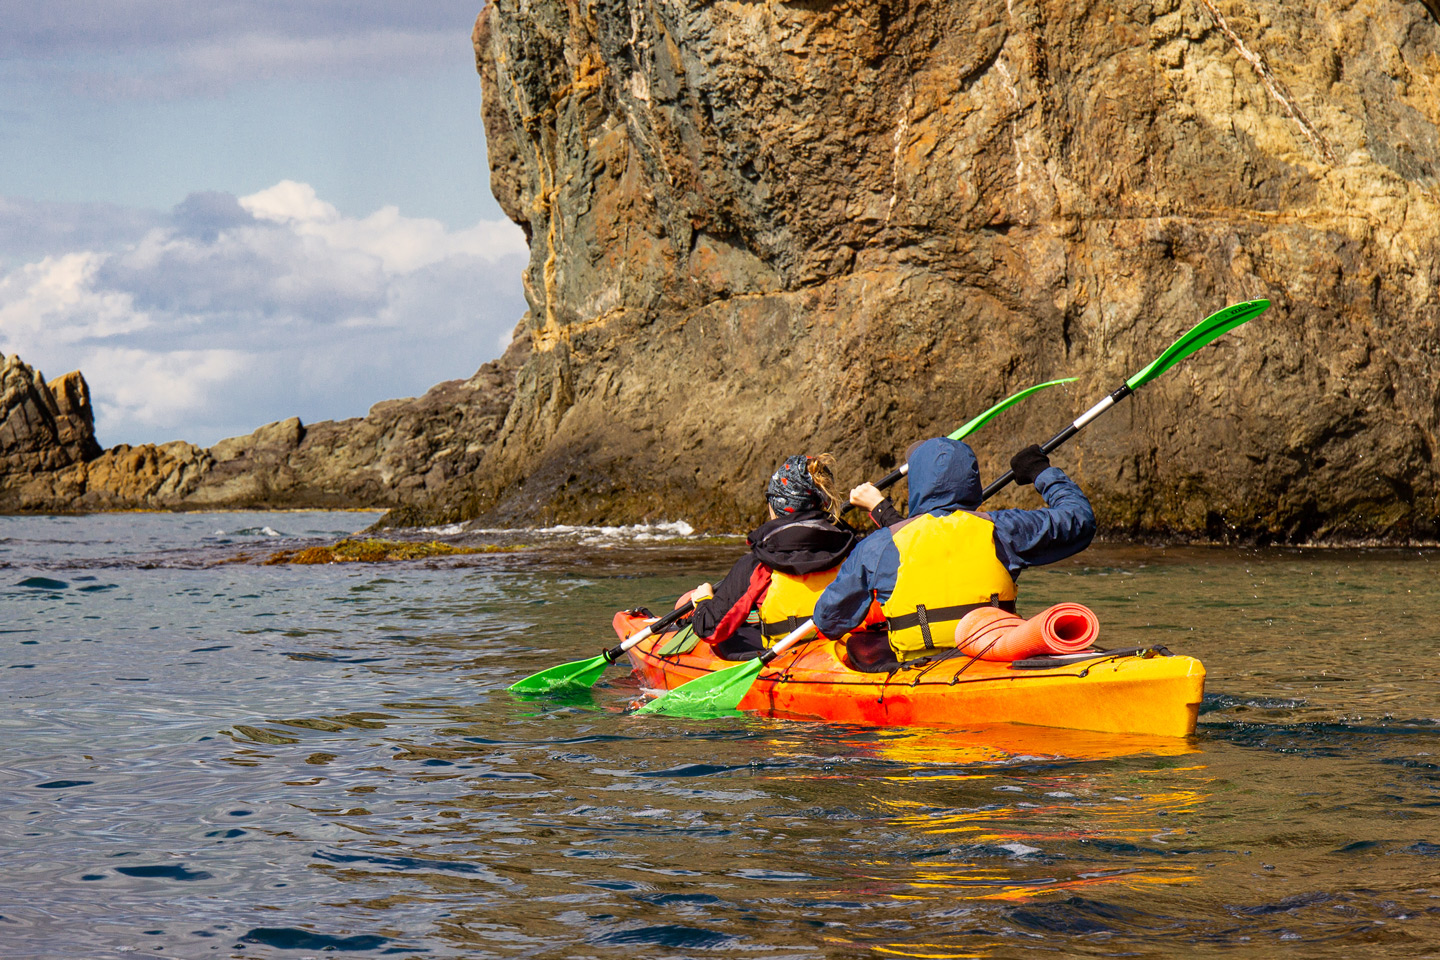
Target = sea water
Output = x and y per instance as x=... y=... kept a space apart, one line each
x=205 y=756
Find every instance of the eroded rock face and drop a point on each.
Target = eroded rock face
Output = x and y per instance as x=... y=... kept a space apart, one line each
x=764 y=228
x=758 y=229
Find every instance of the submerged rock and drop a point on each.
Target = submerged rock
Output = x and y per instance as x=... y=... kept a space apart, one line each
x=374 y=550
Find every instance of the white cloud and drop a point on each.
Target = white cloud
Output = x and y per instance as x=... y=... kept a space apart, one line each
x=55 y=300
x=152 y=390
x=236 y=312
x=289 y=202
x=402 y=244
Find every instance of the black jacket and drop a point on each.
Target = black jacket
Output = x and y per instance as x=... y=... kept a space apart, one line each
x=805 y=543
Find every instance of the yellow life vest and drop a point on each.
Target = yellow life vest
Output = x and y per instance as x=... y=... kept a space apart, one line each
x=790 y=601
x=948 y=567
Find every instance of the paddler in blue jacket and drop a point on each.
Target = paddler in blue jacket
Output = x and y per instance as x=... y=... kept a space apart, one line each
x=926 y=572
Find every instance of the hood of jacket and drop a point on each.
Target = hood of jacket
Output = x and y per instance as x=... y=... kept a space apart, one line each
x=805 y=543
x=944 y=477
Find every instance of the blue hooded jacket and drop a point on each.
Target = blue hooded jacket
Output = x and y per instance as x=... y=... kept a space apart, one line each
x=944 y=477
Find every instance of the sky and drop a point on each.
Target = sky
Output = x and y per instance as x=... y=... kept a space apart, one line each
x=230 y=213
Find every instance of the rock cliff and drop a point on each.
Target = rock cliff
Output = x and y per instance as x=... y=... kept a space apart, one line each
x=758 y=228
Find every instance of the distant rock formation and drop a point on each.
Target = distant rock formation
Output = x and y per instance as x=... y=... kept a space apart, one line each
x=401 y=452
x=43 y=426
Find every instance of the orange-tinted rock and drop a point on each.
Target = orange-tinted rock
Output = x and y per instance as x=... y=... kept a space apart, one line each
x=758 y=229
x=763 y=228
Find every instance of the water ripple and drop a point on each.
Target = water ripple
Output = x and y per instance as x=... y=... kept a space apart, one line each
x=203 y=757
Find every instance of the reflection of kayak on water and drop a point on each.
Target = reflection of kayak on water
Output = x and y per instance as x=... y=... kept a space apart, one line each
x=1142 y=692
x=969 y=745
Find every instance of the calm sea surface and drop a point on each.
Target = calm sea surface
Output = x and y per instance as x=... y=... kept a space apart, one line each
x=211 y=759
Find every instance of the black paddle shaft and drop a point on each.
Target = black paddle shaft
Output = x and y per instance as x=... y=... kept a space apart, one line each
x=617 y=651
x=891 y=478
x=1002 y=481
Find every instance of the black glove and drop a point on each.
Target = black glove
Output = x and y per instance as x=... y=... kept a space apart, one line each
x=1029 y=464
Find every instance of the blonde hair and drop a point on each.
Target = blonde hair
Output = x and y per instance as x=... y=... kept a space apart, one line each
x=822 y=471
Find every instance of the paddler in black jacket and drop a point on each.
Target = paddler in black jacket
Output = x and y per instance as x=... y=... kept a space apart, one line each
x=793 y=557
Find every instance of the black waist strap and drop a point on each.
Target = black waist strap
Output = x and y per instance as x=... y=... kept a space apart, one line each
x=922 y=616
x=779 y=628
x=929 y=615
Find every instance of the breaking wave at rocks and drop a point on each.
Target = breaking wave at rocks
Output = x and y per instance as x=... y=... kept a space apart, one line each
x=591 y=536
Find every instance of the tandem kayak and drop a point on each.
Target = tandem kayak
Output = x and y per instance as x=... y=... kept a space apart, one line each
x=1141 y=692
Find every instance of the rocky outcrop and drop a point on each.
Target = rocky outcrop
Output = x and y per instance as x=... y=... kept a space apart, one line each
x=762 y=228
x=43 y=425
x=122 y=478
x=401 y=452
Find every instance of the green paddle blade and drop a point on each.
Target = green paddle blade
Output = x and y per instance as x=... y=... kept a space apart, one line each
x=577 y=673
x=715 y=695
x=1005 y=404
x=1205 y=332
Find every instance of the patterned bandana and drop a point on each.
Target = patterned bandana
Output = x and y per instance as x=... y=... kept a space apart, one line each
x=791 y=490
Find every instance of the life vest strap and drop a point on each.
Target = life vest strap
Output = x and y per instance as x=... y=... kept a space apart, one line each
x=923 y=617
x=780 y=628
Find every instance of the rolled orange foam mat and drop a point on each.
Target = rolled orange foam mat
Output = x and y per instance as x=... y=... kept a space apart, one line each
x=1069 y=627
x=992 y=634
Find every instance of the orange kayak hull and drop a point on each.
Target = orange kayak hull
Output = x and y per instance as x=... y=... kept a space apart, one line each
x=1154 y=695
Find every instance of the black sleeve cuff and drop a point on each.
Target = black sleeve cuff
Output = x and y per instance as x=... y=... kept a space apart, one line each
x=885 y=514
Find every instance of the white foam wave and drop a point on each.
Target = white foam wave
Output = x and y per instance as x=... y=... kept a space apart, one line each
x=634 y=531
x=251 y=532
x=448 y=530
x=628 y=533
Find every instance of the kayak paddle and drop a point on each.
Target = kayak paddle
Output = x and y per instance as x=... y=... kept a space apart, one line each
x=1204 y=333
x=719 y=693
x=584 y=673
x=980 y=421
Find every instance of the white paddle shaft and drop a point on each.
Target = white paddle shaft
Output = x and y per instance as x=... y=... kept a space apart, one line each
x=792 y=638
